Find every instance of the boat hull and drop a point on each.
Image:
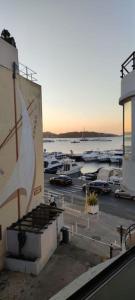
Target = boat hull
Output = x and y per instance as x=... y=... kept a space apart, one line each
x=52 y=170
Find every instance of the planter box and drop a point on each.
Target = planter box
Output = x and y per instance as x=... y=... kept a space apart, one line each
x=93 y=209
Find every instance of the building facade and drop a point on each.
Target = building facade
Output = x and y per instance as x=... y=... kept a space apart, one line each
x=127 y=100
x=21 y=150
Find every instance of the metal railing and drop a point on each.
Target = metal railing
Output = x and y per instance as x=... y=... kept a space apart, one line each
x=130 y=236
x=128 y=65
x=26 y=72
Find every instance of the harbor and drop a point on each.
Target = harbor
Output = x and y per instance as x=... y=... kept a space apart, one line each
x=89 y=156
x=67 y=152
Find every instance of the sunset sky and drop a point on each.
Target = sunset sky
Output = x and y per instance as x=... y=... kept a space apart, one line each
x=76 y=47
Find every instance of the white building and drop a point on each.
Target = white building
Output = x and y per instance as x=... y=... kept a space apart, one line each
x=22 y=210
x=127 y=100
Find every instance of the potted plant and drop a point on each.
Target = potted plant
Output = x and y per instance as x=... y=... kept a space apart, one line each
x=92 y=203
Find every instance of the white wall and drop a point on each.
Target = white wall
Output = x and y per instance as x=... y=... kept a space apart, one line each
x=128 y=91
x=32 y=94
x=8 y=54
x=128 y=182
x=38 y=245
x=128 y=85
x=32 y=247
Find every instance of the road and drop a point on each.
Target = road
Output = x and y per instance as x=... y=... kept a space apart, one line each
x=123 y=208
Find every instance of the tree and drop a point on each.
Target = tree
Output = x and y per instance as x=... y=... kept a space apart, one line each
x=5 y=35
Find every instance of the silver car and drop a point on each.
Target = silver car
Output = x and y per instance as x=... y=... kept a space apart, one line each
x=119 y=193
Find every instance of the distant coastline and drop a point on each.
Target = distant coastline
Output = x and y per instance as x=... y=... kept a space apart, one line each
x=76 y=134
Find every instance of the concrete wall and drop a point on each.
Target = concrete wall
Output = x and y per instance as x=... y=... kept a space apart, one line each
x=40 y=246
x=32 y=247
x=32 y=95
x=128 y=85
x=8 y=54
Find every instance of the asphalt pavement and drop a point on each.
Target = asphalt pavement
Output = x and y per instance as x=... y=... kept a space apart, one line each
x=123 y=208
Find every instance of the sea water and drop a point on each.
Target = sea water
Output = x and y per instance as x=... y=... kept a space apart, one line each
x=99 y=144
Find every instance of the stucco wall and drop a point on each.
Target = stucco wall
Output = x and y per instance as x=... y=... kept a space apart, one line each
x=38 y=245
x=8 y=54
x=32 y=95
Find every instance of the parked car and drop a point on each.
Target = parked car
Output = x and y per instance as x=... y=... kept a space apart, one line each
x=61 y=180
x=98 y=186
x=119 y=193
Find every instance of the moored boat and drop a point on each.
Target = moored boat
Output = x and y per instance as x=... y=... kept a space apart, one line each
x=103 y=157
x=69 y=167
x=51 y=164
x=117 y=157
x=90 y=155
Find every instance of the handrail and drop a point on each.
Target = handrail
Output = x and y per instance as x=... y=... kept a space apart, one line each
x=129 y=230
x=127 y=67
x=26 y=72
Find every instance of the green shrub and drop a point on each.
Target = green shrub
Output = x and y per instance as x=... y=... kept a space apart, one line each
x=92 y=199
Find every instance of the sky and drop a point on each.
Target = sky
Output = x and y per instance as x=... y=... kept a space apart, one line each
x=76 y=47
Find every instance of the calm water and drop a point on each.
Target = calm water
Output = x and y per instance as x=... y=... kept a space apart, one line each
x=65 y=146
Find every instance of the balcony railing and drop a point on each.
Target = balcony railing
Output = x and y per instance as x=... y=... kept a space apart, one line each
x=27 y=72
x=128 y=65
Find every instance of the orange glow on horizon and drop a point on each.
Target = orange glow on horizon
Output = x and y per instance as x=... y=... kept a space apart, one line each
x=114 y=128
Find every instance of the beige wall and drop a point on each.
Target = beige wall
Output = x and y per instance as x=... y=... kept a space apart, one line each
x=32 y=95
x=8 y=54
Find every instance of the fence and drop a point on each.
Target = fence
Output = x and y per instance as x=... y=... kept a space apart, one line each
x=102 y=249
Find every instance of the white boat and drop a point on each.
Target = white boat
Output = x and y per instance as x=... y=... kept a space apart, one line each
x=75 y=142
x=58 y=155
x=90 y=155
x=116 y=157
x=103 y=157
x=83 y=137
x=69 y=167
x=55 y=154
x=51 y=164
x=48 y=140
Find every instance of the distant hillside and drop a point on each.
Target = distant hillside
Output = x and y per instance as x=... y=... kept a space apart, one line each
x=76 y=134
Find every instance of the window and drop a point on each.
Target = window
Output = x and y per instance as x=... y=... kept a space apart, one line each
x=127 y=128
